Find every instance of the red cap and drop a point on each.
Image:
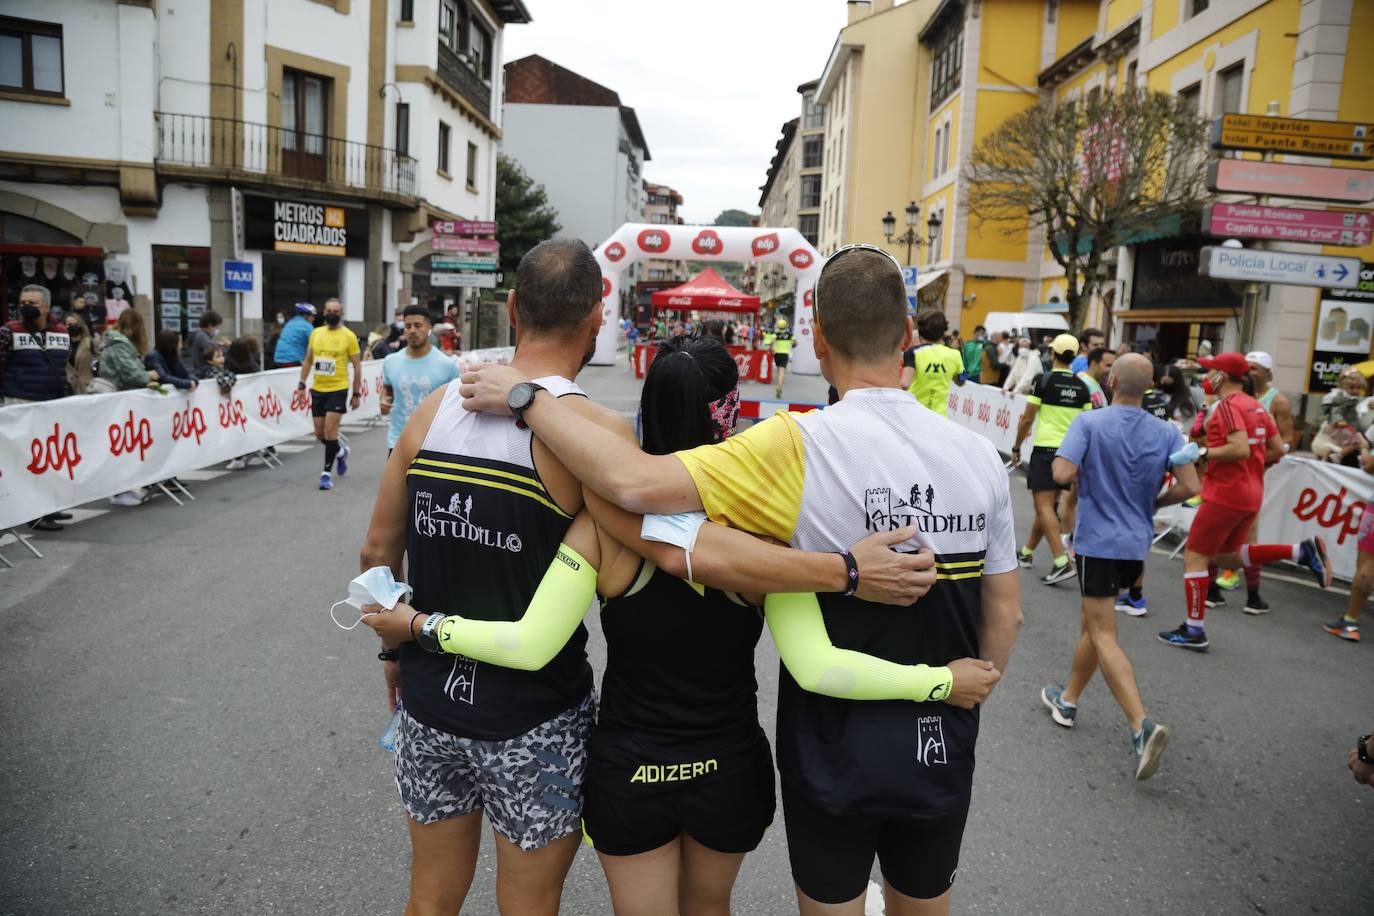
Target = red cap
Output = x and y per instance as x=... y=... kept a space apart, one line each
x=1231 y=363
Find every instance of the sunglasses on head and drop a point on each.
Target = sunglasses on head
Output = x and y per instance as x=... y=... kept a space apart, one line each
x=835 y=256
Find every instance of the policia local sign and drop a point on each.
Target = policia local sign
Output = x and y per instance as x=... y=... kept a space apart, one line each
x=304 y=227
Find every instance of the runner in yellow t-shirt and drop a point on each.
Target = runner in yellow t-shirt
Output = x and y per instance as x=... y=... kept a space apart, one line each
x=332 y=347
x=930 y=368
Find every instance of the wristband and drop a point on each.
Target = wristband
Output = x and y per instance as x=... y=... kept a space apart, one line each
x=389 y=655
x=426 y=638
x=411 y=626
x=851 y=569
x=300 y=386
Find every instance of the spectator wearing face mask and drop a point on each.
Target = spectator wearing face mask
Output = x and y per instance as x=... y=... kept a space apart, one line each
x=82 y=356
x=1025 y=368
x=202 y=340
x=121 y=354
x=33 y=351
x=385 y=346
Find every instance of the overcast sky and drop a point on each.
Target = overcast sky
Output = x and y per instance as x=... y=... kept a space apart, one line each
x=712 y=81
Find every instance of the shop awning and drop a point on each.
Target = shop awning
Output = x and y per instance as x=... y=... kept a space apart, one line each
x=707 y=292
x=1164 y=227
x=925 y=280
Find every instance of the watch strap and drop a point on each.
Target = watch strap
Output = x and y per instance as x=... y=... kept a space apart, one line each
x=389 y=655
x=1362 y=746
x=519 y=411
x=428 y=638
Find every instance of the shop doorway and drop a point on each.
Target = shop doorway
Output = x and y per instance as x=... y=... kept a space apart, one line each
x=181 y=281
x=292 y=278
x=1167 y=341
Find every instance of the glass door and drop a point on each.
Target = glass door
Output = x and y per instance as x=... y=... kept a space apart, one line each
x=304 y=113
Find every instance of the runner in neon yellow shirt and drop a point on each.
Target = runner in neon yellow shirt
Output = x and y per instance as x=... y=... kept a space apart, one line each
x=930 y=369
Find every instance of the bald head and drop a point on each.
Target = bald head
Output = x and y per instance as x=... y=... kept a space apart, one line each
x=1132 y=376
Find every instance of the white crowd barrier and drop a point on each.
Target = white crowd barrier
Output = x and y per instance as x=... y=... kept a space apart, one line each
x=1302 y=497
x=58 y=454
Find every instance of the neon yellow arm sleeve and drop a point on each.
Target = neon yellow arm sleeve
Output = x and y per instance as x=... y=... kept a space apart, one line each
x=558 y=606
x=819 y=667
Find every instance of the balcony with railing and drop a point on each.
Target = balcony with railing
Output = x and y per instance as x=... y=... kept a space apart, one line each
x=264 y=156
x=462 y=71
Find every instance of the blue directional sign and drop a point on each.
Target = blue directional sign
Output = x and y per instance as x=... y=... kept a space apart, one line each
x=909 y=281
x=238 y=276
x=1290 y=267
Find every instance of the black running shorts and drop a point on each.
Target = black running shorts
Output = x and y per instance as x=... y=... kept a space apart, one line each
x=726 y=812
x=780 y=360
x=1040 y=471
x=832 y=854
x=1103 y=578
x=323 y=402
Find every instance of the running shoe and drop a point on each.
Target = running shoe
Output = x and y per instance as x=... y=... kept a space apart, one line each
x=1345 y=629
x=343 y=461
x=1193 y=503
x=1061 y=572
x=128 y=498
x=1149 y=747
x=1133 y=606
x=1215 y=597
x=1185 y=638
x=1312 y=554
x=1052 y=695
x=238 y=464
x=1025 y=557
x=1229 y=580
x=47 y=523
x=326 y=481
x=61 y=516
x=1255 y=605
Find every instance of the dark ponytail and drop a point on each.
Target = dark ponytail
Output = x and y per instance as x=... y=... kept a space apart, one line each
x=687 y=375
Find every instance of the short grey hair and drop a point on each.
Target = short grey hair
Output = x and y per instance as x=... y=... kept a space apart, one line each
x=37 y=288
x=332 y=299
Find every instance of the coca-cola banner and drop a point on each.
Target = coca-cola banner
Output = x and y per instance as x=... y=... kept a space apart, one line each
x=1303 y=498
x=59 y=454
x=634 y=242
x=754 y=365
x=991 y=412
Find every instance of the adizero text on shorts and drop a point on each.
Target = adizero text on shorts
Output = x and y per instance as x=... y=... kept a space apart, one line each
x=530 y=786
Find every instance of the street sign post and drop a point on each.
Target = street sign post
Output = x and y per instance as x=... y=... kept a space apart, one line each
x=1282 y=179
x=1304 y=127
x=470 y=280
x=909 y=281
x=1225 y=136
x=466 y=262
x=1289 y=224
x=456 y=243
x=238 y=277
x=1288 y=267
x=463 y=227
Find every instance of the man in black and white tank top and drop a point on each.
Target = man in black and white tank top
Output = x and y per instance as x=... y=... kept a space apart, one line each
x=477 y=509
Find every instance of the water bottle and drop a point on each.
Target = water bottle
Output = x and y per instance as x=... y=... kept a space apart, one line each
x=387 y=741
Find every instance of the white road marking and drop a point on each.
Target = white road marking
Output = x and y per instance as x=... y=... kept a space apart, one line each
x=293 y=449
x=200 y=476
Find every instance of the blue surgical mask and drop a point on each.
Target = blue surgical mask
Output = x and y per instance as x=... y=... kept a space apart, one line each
x=376 y=586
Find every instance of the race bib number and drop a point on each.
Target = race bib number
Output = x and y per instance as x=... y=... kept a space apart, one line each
x=325 y=366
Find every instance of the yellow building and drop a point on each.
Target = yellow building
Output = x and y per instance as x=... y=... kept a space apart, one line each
x=910 y=89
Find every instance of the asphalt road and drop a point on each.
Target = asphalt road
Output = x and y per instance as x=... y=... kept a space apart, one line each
x=185 y=731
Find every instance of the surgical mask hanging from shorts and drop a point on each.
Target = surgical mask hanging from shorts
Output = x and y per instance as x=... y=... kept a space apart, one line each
x=376 y=586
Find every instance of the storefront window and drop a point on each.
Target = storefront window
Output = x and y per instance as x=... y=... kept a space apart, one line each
x=181 y=287
x=36 y=253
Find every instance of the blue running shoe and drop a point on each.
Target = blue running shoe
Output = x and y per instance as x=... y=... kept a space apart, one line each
x=1052 y=695
x=326 y=481
x=1185 y=638
x=1149 y=747
x=343 y=461
x=1312 y=554
x=1133 y=606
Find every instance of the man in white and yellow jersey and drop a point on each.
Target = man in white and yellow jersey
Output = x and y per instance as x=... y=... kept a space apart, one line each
x=861 y=778
x=332 y=348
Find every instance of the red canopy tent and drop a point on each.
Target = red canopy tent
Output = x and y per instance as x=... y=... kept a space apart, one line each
x=706 y=292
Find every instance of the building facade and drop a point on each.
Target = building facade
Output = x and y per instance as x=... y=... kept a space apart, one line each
x=778 y=207
x=316 y=140
x=660 y=208
x=574 y=137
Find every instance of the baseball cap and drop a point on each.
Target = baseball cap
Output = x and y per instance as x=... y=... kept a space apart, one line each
x=1230 y=363
x=1064 y=343
x=1260 y=358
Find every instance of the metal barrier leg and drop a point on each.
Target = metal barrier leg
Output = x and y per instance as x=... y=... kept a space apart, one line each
x=163 y=487
x=6 y=560
x=25 y=539
x=176 y=482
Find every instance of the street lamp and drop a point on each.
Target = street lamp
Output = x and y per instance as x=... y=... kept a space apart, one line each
x=910 y=238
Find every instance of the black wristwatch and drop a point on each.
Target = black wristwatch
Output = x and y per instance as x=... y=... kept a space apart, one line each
x=389 y=655
x=1362 y=748
x=427 y=638
x=521 y=397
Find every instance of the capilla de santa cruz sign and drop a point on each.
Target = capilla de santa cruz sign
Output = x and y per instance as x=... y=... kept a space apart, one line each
x=304 y=227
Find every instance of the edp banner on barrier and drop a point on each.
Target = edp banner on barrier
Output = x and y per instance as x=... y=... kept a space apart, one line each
x=990 y=412
x=1304 y=498
x=59 y=454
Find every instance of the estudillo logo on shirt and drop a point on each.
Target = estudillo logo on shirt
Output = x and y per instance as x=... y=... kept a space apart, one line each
x=455 y=521
x=884 y=511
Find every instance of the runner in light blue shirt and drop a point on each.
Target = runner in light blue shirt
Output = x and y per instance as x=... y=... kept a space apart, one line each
x=411 y=375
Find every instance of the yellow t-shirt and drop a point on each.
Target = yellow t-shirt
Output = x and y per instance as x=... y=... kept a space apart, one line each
x=753 y=480
x=937 y=367
x=330 y=349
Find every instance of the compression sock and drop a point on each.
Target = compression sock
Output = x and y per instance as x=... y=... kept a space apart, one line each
x=1259 y=554
x=1136 y=592
x=331 y=451
x=1212 y=572
x=1252 y=579
x=1195 y=590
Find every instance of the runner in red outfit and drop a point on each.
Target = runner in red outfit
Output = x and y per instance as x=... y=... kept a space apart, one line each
x=1241 y=438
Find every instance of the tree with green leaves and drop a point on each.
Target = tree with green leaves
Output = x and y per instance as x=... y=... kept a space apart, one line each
x=733 y=218
x=523 y=215
x=1091 y=174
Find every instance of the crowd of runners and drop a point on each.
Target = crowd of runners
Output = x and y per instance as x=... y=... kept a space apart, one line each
x=511 y=504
